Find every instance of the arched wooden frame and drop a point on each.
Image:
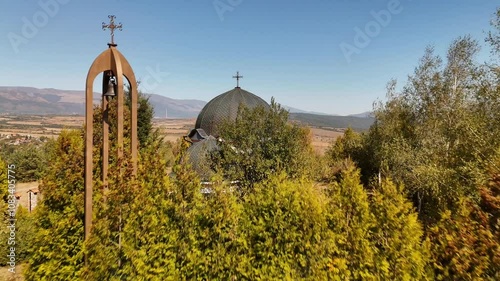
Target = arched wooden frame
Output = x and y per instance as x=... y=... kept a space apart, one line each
x=109 y=60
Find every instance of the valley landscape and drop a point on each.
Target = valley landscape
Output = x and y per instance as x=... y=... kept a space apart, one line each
x=50 y=126
x=45 y=112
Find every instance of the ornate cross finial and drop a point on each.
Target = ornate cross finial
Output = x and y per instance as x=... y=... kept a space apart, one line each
x=112 y=26
x=237 y=79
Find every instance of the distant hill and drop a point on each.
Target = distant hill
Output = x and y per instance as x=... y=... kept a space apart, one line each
x=34 y=101
x=363 y=114
x=330 y=121
x=167 y=107
x=26 y=100
x=296 y=110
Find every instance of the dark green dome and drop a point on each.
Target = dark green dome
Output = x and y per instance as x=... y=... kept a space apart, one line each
x=225 y=107
x=199 y=157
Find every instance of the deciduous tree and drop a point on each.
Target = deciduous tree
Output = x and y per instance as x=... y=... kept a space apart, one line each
x=262 y=142
x=432 y=136
x=462 y=245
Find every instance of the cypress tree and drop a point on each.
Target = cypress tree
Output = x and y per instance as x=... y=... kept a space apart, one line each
x=150 y=234
x=57 y=253
x=216 y=246
x=351 y=221
x=397 y=235
x=286 y=231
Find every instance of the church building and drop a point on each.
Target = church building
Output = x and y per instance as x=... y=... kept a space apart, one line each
x=205 y=136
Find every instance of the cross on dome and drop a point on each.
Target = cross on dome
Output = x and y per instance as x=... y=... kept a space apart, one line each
x=237 y=79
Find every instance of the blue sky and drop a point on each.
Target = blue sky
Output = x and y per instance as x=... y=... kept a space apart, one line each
x=190 y=49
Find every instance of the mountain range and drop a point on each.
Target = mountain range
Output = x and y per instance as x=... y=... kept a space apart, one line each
x=34 y=101
x=28 y=100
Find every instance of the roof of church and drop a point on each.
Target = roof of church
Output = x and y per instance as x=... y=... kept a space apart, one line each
x=225 y=107
x=199 y=156
x=197 y=135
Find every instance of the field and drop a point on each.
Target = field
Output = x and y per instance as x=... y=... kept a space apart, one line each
x=322 y=138
x=5 y=275
x=38 y=126
x=172 y=129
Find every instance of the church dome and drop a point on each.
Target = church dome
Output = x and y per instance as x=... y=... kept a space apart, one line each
x=199 y=157
x=225 y=107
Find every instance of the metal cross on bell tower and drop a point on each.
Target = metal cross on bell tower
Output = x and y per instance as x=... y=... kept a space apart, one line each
x=112 y=26
x=237 y=79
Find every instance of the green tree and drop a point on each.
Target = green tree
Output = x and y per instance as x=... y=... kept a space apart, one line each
x=463 y=247
x=145 y=115
x=489 y=204
x=150 y=235
x=490 y=197
x=24 y=234
x=494 y=36
x=4 y=184
x=350 y=219
x=112 y=210
x=397 y=235
x=350 y=146
x=113 y=202
x=31 y=161
x=345 y=146
x=4 y=192
x=261 y=142
x=58 y=237
x=434 y=136
x=58 y=248
x=286 y=231
x=185 y=196
x=119 y=205
x=215 y=244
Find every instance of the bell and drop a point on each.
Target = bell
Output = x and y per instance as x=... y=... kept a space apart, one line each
x=110 y=93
